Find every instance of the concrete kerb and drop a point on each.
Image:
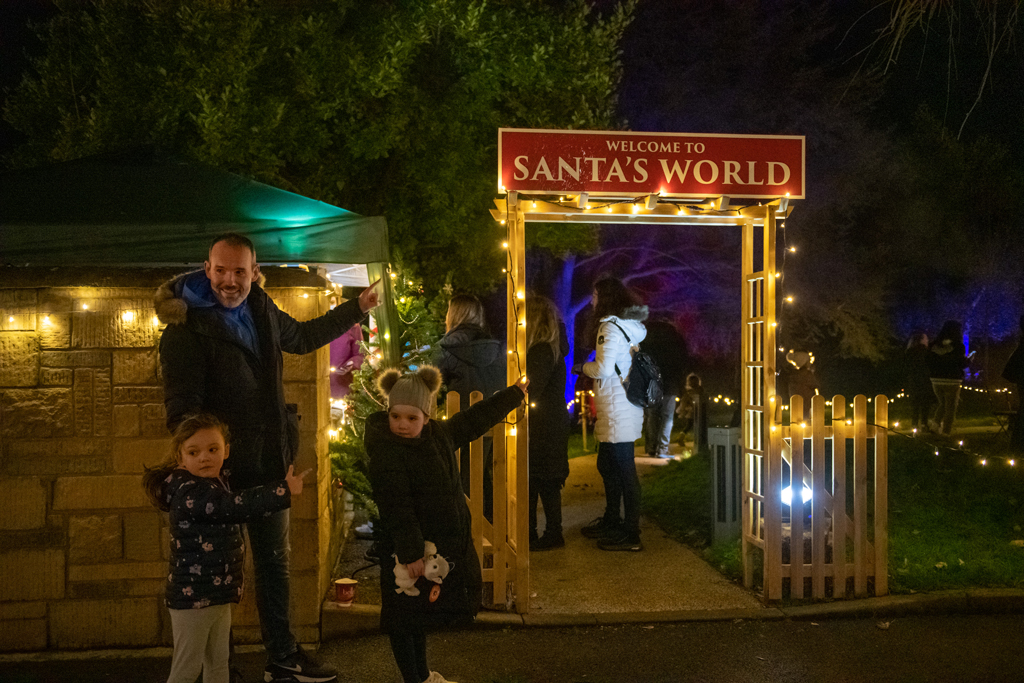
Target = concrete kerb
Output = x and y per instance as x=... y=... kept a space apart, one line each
x=355 y=620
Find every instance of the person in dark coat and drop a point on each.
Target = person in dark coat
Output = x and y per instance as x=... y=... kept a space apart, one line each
x=1014 y=372
x=547 y=348
x=221 y=353
x=919 y=383
x=207 y=552
x=947 y=361
x=471 y=360
x=667 y=349
x=418 y=491
x=694 y=410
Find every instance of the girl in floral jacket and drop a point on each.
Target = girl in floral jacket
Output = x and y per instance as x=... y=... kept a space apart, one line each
x=207 y=550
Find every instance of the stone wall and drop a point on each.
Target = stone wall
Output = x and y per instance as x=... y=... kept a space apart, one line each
x=83 y=555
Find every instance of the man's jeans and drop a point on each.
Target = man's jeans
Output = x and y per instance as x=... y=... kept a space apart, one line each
x=268 y=542
x=621 y=484
x=658 y=425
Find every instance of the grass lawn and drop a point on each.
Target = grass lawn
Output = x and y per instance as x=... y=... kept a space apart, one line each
x=953 y=522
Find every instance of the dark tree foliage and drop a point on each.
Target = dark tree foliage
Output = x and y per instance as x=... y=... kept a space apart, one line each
x=385 y=108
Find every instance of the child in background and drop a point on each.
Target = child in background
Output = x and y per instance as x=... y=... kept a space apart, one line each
x=418 y=490
x=207 y=550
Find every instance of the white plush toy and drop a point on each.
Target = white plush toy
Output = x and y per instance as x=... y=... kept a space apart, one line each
x=435 y=569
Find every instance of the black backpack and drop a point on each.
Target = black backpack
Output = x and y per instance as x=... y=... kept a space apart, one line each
x=643 y=384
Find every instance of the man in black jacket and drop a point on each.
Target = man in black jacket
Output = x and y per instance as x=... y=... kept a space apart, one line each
x=221 y=353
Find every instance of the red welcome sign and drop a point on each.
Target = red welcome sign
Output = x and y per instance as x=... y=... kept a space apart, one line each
x=628 y=163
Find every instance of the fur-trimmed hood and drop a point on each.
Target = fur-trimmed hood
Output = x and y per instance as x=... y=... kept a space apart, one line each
x=638 y=313
x=169 y=300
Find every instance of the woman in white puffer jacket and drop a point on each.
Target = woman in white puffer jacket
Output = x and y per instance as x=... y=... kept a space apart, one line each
x=619 y=423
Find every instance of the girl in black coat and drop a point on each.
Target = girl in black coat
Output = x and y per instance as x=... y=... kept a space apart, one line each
x=549 y=419
x=418 y=490
x=947 y=361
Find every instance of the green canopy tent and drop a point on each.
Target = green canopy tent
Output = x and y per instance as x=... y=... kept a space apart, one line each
x=147 y=208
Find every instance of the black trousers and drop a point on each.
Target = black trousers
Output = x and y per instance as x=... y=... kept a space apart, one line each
x=549 y=492
x=410 y=651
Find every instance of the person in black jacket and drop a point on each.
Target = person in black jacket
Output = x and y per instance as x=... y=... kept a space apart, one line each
x=549 y=418
x=207 y=551
x=947 y=361
x=418 y=491
x=221 y=354
x=667 y=349
x=471 y=360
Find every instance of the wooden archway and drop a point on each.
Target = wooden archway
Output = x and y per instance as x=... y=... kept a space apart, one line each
x=685 y=179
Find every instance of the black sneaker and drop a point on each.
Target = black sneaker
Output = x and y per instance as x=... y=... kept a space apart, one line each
x=621 y=542
x=299 y=667
x=549 y=541
x=600 y=528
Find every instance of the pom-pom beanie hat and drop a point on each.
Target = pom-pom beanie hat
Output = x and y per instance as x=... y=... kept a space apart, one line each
x=415 y=389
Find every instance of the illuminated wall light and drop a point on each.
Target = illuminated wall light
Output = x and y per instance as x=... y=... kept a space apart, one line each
x=789 y=299
x=636 y=209
x=792 y=249
x=46 y=320
x=305 y=295
x=520 y=295
x=609 y=209
x=512 y=431
x=534 y=205
x=504 y=245
x=85 y=307
x=502 y=221
x=128 y=316
x=10 y=319
x=156 y=321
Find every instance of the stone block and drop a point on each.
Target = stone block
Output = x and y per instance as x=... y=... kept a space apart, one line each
x=94 y=539
x=305 y=542
x=32 y=575
x=299 y=303
x=56 y=448
x=17 y=299
x=19 y=359
x=22 y=610
x=39 y=413
x=97 y=590
x=305 y=600
x=135 y=366
x=142 y=536
x=143 y=587
x=23 y=636
x=105 y=623
x=138 y=394
x=22 y=503
x=133 y=455
x=116 y=572
x=299 y=367
x=153 y=420
x=55 y=330
x=75 y=359
x=56 y=377
x=102 y=402
x=303 y=394
x=93 y=493
x=126 y=420
x=82 y=387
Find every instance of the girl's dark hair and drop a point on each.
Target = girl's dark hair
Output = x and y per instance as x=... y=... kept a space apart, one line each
x=153 y=477
x=613 y=298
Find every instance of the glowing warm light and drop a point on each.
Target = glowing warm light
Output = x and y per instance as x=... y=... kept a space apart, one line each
x=305 y=295
x=789 y=299
x=10 y=319
x=387 y=335
x=46 y=320
x=334 y=369
x=394 y=275
x=85 y=307
x=984 y=462
x=512 y=431
x=792 y=249
x=504 y=245
x=520 y=295
x=156 y=320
